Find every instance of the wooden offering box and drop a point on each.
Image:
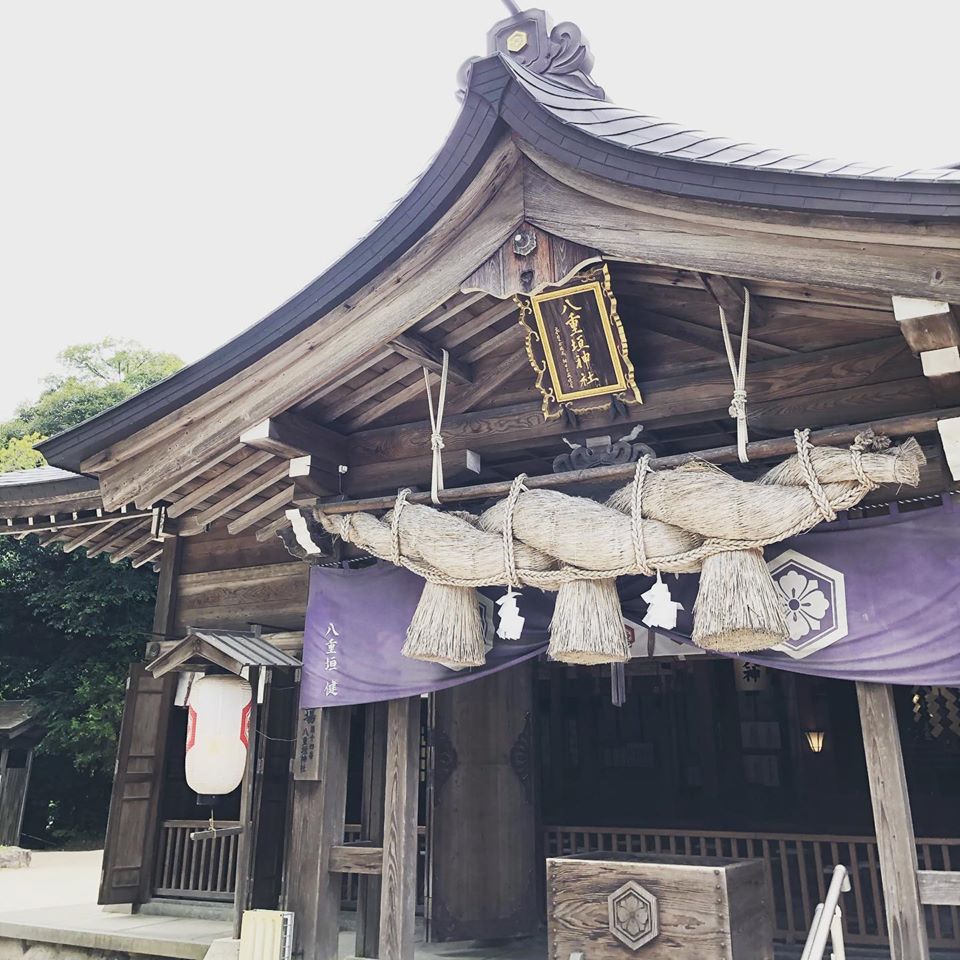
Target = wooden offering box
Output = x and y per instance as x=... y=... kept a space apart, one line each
x=614 y=906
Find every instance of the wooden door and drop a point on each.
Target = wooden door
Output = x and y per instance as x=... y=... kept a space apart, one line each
x=14 y=780
x=485 y=872
x=131 y=840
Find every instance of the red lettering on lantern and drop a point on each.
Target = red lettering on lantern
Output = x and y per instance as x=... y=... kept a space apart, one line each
x=245 y=725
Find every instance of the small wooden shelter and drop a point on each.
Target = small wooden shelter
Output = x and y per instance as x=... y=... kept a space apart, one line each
x=20 y=733
x=849 y=273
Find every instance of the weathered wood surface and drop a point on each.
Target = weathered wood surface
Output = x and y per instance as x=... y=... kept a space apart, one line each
x=218 y=550
x=484 y=868
x=430 y=356
x=893 y=821
x=398 y=892
x=926 y=324
x=709 y=909
x=274 y=595
x=939 y=887
x=759 y=450
x=568 y=204
x=129 y=845
x=372 y=812
x=14 y=782
x=700 y=393
x=249 y=789
x=731 y=216
x=358 y=857
x=217 y=482
x=546 y=261
x=418 y=282
x=317 y=824
x=289 y=435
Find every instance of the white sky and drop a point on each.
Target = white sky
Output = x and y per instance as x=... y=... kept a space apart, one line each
x=171 y=172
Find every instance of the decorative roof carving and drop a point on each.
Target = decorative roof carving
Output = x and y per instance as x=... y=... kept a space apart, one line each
x=530 y=39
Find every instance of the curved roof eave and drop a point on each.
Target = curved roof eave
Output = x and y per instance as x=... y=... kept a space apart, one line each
x=474 y=134
x=578 y=129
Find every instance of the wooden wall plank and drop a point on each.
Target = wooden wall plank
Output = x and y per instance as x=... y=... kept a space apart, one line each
x=893 y=822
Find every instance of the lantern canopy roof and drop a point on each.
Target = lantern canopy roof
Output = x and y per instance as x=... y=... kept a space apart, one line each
x=231 y=650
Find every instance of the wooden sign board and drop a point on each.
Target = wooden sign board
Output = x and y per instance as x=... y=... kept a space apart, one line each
x=306 y=760
x=577 y=345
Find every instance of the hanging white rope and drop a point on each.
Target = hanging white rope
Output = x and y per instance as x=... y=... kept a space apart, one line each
x=436 y=422
x=738 y=405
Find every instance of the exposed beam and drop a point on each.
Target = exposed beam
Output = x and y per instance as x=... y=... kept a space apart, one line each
x=312 y=479
x=359 y=857
x=700 y=335
x=926 y=324
x=292 y=435
x=105 y=546
x=939 y=887
x=201 y=520
x=135 y=546
x=215 y=484
x=262 y=510
x=701 y=392
x=56 y=522
x=165 y=489
x=83 y=540
x=430 y=356
x=759 y=450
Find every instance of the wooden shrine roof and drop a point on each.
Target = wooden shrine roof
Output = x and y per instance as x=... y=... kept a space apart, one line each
x=544 y=97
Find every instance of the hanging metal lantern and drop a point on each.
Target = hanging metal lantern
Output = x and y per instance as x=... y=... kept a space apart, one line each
x=218 y=734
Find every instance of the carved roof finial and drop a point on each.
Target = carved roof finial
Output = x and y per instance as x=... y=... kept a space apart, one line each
x=530 y=39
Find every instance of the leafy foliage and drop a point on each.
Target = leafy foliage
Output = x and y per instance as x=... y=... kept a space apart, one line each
x=95 y=376
x=18 y=453
x=70 y=624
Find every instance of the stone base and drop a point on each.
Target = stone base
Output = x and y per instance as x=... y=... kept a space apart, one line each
x=11 y=949
x=14 y=857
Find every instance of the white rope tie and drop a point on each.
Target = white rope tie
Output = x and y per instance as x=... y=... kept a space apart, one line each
x=636 y=517
x=509 y=547
x=436 y=422
x=738 y=405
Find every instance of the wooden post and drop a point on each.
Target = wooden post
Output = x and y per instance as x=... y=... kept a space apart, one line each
x=247 y=840
x=398 y=896
x=893 y=823
x=371 y=826
x=319 y=813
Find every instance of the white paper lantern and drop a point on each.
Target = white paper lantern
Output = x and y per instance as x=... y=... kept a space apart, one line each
x=218 y=733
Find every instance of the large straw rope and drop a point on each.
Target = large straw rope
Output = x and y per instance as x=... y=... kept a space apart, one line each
x=815 y=484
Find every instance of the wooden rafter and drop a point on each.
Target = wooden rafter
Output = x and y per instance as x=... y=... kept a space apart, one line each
x=234 y=499
x=430 y=356
x=107 y=545
x=689 y=331
x=261 y=510
x=91 y=535
x=217 y=483
x=135 y=546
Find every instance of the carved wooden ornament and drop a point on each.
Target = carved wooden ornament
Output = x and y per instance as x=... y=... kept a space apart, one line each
x=634 y=915
x=577 y=346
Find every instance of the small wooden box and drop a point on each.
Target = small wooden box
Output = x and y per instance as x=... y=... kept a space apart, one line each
x=615 y=906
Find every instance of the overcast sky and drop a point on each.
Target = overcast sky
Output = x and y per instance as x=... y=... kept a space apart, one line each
x=171 y=172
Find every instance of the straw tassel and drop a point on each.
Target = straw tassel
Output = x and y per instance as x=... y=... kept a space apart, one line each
x=587 y=625
x=446 y=628
x=738 y=608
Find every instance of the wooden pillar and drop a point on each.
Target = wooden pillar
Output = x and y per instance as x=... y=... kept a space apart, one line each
x=317 y=823
x=398 y=895
x=893 y=823
x=247 y=841
x=371 y=825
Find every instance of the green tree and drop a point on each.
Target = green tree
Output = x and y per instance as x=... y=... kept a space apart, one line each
x=71 y=624
x=94 y=376
x=18 y=453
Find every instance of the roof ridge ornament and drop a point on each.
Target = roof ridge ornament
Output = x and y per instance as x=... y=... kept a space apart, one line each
x=529 y=39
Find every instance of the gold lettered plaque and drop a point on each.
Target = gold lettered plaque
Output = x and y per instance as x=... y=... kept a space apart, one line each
x=577 y=346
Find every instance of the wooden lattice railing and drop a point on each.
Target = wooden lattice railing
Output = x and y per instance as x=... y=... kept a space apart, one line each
x=800 y=867
x=196 y=869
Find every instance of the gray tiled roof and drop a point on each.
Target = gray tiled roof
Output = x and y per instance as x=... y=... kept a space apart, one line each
x=633 y=130
x=25 y=478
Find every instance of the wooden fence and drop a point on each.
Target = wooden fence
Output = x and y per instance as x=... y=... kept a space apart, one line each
x=196 y=869
x=799 y=868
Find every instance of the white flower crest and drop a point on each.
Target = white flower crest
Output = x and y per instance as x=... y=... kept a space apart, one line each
x=806 y=604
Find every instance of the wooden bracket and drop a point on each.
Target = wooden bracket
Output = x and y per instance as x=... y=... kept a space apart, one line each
x=291 y=435
x=931 y=330
x=431 y=356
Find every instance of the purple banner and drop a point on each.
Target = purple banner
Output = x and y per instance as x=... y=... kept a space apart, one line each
x=356 y=625
x=873 y=599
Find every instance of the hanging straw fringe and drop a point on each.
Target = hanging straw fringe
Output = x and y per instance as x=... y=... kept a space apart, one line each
x=681 y=520
x=738 y=405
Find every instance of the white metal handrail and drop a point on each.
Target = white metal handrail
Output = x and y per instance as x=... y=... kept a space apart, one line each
x=828 y=921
